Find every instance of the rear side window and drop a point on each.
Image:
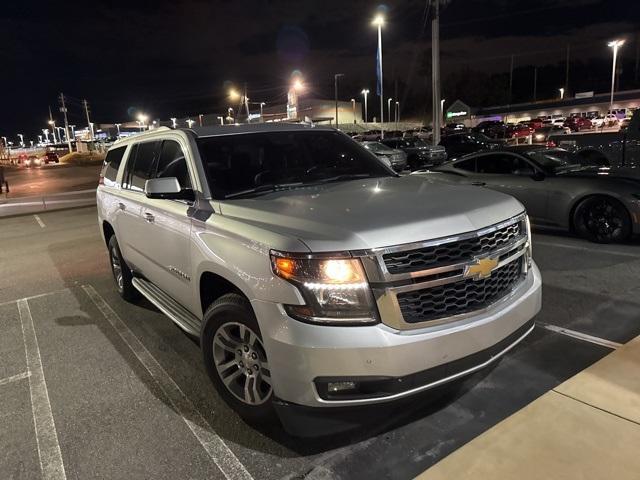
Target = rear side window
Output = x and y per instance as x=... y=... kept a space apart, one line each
x=173 y=164
x=111 y=165
x=141 y=166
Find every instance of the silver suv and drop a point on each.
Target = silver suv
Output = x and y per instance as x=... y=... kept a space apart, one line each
x=314 y=275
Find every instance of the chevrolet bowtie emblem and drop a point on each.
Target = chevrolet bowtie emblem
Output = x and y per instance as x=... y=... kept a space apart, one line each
x=482 y=268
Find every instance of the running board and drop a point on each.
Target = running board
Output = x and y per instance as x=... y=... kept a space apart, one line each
x=167 y=305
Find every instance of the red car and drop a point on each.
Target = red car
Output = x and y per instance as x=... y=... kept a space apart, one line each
x=578 y=123
x=518 y=131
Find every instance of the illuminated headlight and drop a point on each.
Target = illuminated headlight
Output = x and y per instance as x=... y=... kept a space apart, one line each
x=539 y=136
x=335 y=290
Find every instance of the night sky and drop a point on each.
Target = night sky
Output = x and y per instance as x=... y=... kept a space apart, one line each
x=177 y=58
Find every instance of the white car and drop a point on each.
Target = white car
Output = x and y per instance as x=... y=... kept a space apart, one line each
x=608 y=120
x=313 y=275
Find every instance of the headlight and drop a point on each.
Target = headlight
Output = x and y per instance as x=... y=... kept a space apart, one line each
x=530 y=240
x=539 y=137
x=335 y=290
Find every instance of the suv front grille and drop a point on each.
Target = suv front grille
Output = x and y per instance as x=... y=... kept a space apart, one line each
x=451 y=253
x=459 y=297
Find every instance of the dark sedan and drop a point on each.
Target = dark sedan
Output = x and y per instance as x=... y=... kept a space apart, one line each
x=460 y=144
x=419 y=153
x=559 y=189
x=491 y=128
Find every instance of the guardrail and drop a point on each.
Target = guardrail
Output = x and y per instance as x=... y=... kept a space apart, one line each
x=40 y=203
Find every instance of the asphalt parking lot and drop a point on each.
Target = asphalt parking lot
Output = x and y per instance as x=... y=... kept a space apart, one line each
x=93 y=387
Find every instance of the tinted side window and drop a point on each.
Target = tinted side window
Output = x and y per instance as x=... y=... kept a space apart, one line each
x=500 y=164
x=140 y=168
x=111 y=165
x=467 y=165
x=173 y=164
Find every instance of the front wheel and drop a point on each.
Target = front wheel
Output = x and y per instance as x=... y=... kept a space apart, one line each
x=236 y=359
x=602 y=220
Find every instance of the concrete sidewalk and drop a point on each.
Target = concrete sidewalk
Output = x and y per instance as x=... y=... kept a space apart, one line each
x=588 y=428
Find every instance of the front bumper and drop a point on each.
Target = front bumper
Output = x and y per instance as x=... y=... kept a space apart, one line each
x=299 y=353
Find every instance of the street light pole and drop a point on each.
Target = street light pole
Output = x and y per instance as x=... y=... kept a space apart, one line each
x=379 y=21
x=353 y=106
x=365 y=92
x=615 y=44
x=435 y=71
x=397 y=114
x=389 y=109
x=335 y=90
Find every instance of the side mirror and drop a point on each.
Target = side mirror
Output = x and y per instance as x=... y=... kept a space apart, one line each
x=167 y=188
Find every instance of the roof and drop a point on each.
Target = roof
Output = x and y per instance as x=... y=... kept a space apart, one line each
x=239 y=128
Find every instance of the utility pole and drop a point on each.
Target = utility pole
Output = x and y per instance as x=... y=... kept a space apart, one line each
x=335 y=89
x=86 y=111
x=566 y=78
x=63 y=109
x=435 y=71
x=535 y=84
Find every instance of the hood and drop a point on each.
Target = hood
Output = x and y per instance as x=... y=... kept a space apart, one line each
x=373 y=213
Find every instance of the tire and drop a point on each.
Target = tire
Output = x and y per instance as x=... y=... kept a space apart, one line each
x=602 y=219
x=414 y=163
x=232 y=347
x=121 y=273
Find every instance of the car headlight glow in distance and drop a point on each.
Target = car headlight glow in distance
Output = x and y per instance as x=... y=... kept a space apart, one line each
x=335 y=290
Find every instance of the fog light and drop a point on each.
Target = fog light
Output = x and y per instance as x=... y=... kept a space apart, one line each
x=335 y=387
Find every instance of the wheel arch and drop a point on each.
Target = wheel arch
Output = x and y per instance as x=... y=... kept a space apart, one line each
x=107 y=231
x=576 y=203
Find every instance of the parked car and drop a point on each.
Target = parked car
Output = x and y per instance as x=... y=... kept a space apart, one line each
x=395 y=159
x=305 y=267
x=491 y=128
x=576 y=124
x=556 y=122
x=624 y=124
x=50 y=157
x=423 y=133
x=609 y=120
x=451 y=128
x=518 y=131
x=463 y=143
x=615 y=149
x=419 y=153
x=32 y=161
x=533 y=123
x=558 y=188
x=541 y=135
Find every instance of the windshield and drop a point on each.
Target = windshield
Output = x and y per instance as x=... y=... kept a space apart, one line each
x=376 y=147
x=558 y=161
x=246 y=164
x=479 y=136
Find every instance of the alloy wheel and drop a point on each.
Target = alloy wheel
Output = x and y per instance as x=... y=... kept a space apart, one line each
x=241 y=363
x=604 y=220
x=116 y=266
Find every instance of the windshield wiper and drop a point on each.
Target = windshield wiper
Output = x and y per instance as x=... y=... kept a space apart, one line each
x=266 y=188
x=344 y=177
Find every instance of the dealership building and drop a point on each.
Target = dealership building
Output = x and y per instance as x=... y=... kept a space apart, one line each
x=585 y=104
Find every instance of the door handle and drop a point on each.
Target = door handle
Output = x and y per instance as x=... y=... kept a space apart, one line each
x=478 y=184
x=122 y=206
x=149 y=217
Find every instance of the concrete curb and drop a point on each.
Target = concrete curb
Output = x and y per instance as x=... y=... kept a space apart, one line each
x=43 y=203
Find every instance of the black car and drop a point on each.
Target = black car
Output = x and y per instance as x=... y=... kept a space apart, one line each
x=491 y=128
x=419 y=153
x=460 y=144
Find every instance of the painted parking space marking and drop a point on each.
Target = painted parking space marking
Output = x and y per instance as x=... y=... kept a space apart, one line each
x=215 y=446
x=51 y=464
x=39 y=220
x=14 y=378
x=39 y=295
x=581 y=336
x=584 y=249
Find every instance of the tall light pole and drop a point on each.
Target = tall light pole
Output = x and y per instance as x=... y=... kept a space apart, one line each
x=397 y=114
x=435 y=71
x=200 y=119
x=118 y=128
x=21 y=139
x=53 y=130
x=379 y=22
x=365 y=92
x=190 y=122
x=174 y=122
x=262 y=104
x=442 y=110
x=353 y=106
x=561 y=90
x=335 y=91
x=615 y=44
x=389 y=108
x=45 y=132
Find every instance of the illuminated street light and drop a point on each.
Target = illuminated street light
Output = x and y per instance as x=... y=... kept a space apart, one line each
x=615 y=44
x=561 y=90
x=442 y=110
x=365 y=92
x=389 y=108
x=353 y=106
x=233 y=94
x=378 y=21
x=397 y=114
x=298 y=85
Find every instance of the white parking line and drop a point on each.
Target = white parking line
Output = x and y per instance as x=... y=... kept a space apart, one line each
x=39 y=220
x=40 y=295
x=15 y=378
x=584 y=249
x=51 y=464
x=215 y=447
x=581 y=336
